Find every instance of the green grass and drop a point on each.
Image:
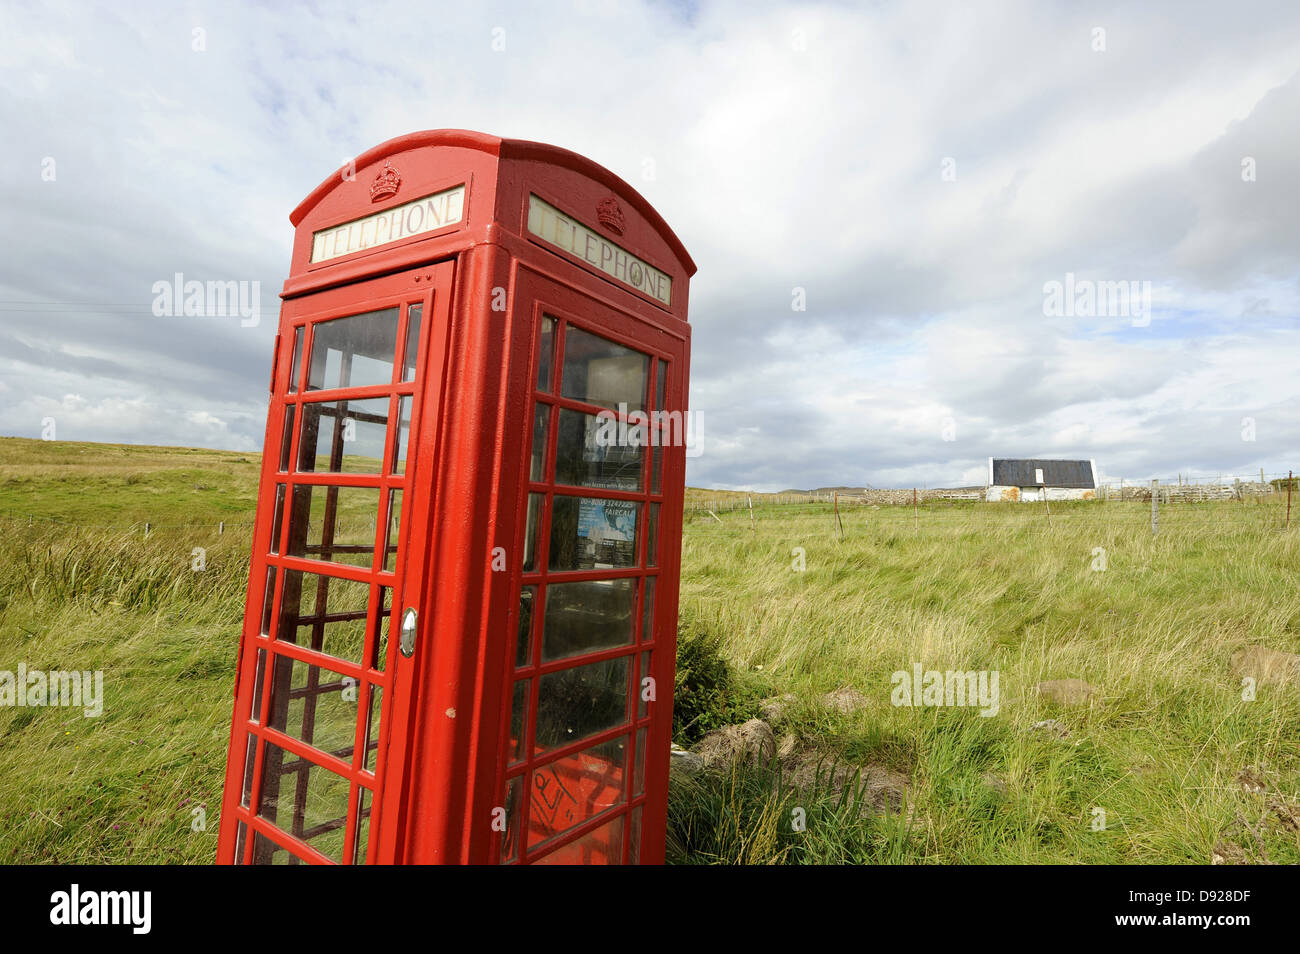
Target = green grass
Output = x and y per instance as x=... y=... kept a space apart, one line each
x=963 y=587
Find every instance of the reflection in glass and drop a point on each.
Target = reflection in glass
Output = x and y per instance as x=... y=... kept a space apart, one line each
x=541 y=419
x=286 y=438
x=314 y=705
x=403 y=435
x=546 y=355
x=515 y=745
x=334 y=524
x=296 y=366
x=524 y=641
x=394 y=529
x=652 y=544
x=353 y=352
x=601 y=372
x=343 y=436
x=372 y=727
x=575 y=703
x=303 y=799
x=586 y=617
x=412 y=350
x=530 y=531
x=324 y=613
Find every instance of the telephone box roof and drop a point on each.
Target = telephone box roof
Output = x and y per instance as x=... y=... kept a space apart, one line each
x=509 y=149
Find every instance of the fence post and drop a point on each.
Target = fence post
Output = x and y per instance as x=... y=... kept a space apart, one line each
x=1155 y=507
x=1289 y=480
x=221 y=527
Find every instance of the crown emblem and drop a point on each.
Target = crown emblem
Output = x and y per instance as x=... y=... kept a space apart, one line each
x=610 y=215
x=386 y=183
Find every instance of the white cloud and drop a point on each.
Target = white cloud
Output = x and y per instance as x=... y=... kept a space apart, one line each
x=778 y=165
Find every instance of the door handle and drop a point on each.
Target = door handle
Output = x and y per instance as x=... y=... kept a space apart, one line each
x=409 y=626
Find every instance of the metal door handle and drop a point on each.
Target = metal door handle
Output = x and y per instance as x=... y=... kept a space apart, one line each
x=409 y=620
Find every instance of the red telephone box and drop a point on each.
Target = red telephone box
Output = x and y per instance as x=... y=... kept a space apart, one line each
x=462 y=609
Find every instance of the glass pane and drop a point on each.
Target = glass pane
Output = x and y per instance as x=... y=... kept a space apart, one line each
x=315 y=705
x=573 y=789
x=575 y=703
x=343 y=436
x=295 y=369
x=372 y=727
x=524 y=640
x=305 y=800
x=277 y=520
x=541 y=419
x=644 y=689
x=382 y=624
x=656 y=469
x=286 y=439
x=593 y=534
x=259 y=679
x=241 y=837
x=587 y=617
x=516 y=744
x=638 y=771
x=325 y=613
x=597 y=452
x=530 y=531
x=362 y=841
x=648 y=610
x=403 y=436
x=267 y=852
x=394 y=528
x=601 y=372
x=334 y=523
x=510 y=837
x=546 y=355
x=353 y=352
x=661 y=384
x=634 y=837
x=600 y=847
x=412 y=349
x=268 y=601
x=250 y=756
x=652 y=545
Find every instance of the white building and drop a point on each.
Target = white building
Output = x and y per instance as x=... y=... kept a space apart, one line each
x=1029 y=479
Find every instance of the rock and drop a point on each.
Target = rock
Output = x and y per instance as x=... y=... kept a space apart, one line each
x=687 y=763
x=882 y=789
x=845 y=700
x=1066 y=692
x=1266 y=666
x=774 y=709
x=1051 y=727
x=789 y=745
x=751 y=742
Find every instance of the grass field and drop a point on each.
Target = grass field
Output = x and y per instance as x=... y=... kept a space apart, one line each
x=1182 y=766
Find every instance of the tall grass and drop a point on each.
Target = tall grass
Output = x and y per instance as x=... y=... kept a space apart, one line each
x=1161 y=750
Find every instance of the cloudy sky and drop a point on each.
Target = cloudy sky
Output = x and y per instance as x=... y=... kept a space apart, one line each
x=914 y=174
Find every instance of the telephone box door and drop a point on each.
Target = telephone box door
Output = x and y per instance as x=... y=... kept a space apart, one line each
x=334 y=605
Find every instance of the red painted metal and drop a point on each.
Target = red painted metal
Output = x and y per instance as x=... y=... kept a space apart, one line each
x=448 y=767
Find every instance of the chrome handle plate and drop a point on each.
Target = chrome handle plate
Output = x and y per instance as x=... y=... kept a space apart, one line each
x=409 y=620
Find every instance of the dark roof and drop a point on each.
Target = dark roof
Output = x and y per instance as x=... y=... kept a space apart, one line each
x=1019 y=472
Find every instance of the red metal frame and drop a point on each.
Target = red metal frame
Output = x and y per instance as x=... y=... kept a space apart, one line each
x=439 y=784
